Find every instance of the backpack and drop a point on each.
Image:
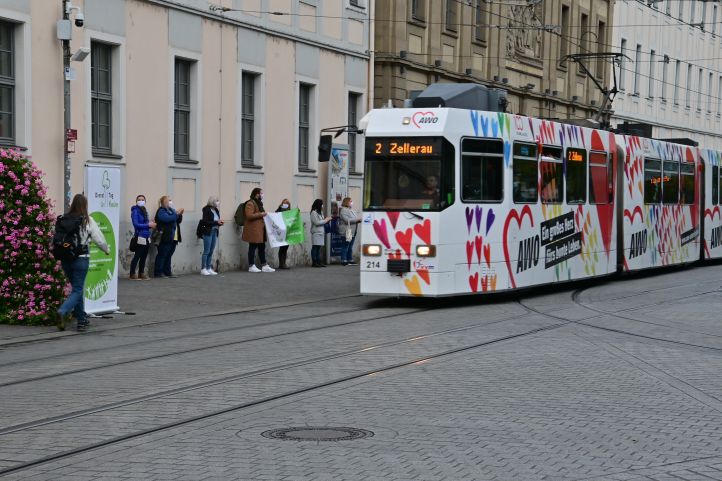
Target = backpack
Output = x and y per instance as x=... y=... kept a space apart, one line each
x=240 y=215
x=66 y=239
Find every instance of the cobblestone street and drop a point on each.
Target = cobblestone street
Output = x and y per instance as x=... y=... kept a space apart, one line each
x=601 y=381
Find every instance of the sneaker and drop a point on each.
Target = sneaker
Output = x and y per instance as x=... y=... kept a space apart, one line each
x=211 y=272
x=268 y=268
x=204 y=272
x=82 y=327
x=133 y=277
x=352 y=263
x=253 y=268
x=143 y=277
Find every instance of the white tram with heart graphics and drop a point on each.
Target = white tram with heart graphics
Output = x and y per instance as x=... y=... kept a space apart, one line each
x=469 y=201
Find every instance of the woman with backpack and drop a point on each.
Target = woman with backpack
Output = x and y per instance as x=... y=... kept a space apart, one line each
x=347 y=224
x=82 y=229
x=318 y=232
x=142 y=225
x=210 y=224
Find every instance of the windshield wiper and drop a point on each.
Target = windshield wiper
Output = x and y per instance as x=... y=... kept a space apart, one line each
x=416 y=215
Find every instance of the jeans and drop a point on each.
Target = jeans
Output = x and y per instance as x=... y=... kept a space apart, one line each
x=141 y=253
x=75 y=271
x=209 y=243
x=252 y=254
x=347 y=250
x=316 y=254
x=163 y=259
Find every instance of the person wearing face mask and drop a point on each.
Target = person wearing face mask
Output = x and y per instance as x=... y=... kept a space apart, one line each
x=283 y=250
x=142 y=225
x=211 y=223
x=254 y=231
x=347 y=224
x=318 y=232
x=168 y=220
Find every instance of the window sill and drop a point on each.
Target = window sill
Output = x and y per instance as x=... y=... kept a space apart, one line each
x=11 y=146
x=356 y=174
x=302 y=170
x=185 y=161
x=251 y=167
x=450 y=33
x=418 y=22
x=105 y=155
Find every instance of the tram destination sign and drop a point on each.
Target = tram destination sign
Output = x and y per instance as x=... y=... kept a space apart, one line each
x=388 y=147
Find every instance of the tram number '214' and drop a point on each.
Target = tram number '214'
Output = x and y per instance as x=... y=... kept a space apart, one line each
x=638 y=244
x=528 y=253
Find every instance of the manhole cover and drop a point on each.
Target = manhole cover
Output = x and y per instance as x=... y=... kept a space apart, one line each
x=310 y=433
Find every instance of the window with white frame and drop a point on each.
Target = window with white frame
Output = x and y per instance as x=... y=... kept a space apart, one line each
x=623 y=65
x=699 y=90
x=305 y=96
x=354 y=100
x=677 y=66
x=680 y=13
x=652 y=73
x=665 y=68
x=637 y=64
x=182 y=110
x=248 y=118
x=719 y=96
x=713 y=23
x=709 y=93
x=688 y=102
x=7 y=83
x=101 y=97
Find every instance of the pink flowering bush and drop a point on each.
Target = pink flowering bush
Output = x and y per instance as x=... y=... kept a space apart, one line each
x=32 y=283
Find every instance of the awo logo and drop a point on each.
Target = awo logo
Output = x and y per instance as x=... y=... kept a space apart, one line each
x=419 y=119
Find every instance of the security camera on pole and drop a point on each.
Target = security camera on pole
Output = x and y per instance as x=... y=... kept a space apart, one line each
x=65 y=33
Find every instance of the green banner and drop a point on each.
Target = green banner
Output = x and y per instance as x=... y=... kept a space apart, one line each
x=294 y=226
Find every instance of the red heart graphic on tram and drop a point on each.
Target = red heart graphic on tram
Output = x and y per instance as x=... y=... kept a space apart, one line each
x=393 y=217
x=404 y=240
x=484 y=283
x=418 y=115
x=424 y=231
x=469 y=252
x=478 y=241
x=487 y=254
x=381 y=232
x=423 y=272
x=474 y=282
x=514 y=215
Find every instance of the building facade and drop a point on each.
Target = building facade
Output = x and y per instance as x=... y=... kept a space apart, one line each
x=189 y=99
x=671 y=77
x=514 y=45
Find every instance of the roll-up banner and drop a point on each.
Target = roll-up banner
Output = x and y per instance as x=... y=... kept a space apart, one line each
x=337 y=191
x=102 y=187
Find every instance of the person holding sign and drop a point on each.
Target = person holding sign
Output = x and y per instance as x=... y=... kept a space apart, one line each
x=141 y=238
x=284 y=206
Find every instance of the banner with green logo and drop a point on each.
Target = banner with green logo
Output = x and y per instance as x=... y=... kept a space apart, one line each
x=284 y=228
x=102 y=187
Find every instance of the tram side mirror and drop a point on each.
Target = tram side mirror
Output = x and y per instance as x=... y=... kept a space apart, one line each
x=324 y=148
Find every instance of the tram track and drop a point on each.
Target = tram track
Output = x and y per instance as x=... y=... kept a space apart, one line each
x=288 y=394
x=196 y=349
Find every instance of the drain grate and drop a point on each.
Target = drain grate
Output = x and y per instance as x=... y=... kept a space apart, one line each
x=311 y=433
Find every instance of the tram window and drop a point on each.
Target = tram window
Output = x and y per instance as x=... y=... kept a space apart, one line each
x=686 y=195
x=482 y=170
x=525 y=173
x=551 y=168
x=598 y=179
x=576 y=176
x=670 y=184
x=715 y=185
x=652 y=181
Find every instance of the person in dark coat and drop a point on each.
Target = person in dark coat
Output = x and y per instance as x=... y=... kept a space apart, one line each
x=210 y=225
x=254 y=231
x=142 y=226
x=283 y=250
x=168 y=220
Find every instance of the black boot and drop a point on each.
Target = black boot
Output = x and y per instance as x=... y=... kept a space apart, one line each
x=282 y=259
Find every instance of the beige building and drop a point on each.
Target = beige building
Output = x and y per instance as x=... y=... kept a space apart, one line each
x=515 y=45
x=188 y=100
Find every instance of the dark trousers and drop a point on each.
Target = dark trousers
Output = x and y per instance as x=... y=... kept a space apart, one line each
x=163 y=259
x=75 y=271
x=141 y=253
x=282 y=255
x=252 y=253
x=347 y=250
x=316 y=254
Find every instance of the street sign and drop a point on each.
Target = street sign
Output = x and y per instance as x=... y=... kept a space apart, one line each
x=71 y=134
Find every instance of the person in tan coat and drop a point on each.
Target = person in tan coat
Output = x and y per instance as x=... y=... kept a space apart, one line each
x=254 y=231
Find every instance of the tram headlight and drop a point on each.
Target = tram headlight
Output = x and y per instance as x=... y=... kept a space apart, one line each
x=426 y=251
x=372 y=250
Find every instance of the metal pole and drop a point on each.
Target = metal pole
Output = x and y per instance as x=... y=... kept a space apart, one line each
x=66 y=120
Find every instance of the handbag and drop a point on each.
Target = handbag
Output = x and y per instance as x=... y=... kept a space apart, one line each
x=133 y=243
x=349 y=234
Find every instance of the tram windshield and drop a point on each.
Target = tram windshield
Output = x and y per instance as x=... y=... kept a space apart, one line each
x=411 y=173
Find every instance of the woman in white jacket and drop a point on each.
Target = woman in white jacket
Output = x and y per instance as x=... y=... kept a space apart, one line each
x=318 y=232
x=76 y=270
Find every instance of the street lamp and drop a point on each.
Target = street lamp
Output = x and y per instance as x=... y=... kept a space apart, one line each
x=65 y=34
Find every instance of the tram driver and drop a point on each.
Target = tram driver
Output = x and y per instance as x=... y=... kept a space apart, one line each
x=431 y=190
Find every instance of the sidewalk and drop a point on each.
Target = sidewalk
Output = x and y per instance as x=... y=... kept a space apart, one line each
x=191 y=296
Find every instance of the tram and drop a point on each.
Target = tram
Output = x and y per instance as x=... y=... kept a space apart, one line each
x=461 y=201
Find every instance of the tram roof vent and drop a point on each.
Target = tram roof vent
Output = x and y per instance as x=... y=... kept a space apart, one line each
x=462 y=96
